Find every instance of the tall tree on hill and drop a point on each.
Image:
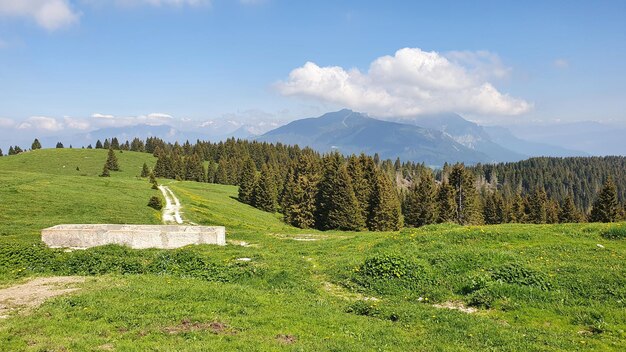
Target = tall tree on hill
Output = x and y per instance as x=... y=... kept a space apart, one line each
x=538 y=207
x=569 y=213
x=265 y=195
x=221 y=174
x=465 y=196
x=194 y=169
x=160 y=168
x=337 y=206
x=1 y=152
x=210 y=172
x=99 y=145
x=145 y=171
x=59 y=145
x=420 y=206
x=247 y=181
x=11 y=150
x=105 y=171
x=606 y=206
x=115 y=144
x=446 y=205
x=386 y=212
x=552 y=211
x=519 y=207
x=111 y=162
x=36 y=145
x=107 y=144
x=137 y=145
x=299 y=198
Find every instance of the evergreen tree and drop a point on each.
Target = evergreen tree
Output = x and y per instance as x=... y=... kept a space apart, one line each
x=111 y=162
x=420 y=206
x=1 y=152
x=11 y=150
x=210 y=172
x=194 y=169
x=446 y=205
x=538 y=207
x=99 y=144
x=107 y=144
x=569 y=213
x=518 y=211
x=337 y=205
x=552 y=212
x=105 y=171
x=299 y=198
x=606 y=207
x=160 y=168
x=59 y=145
x=89 y=146
x=265 y=195
x=115 y=144
x=145 y=171
x=465 y=196
x=36 y=145
x=246 y=181
x=221 y=174
x=385 y=213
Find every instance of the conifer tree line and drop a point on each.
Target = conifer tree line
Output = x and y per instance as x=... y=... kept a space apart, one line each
x=331 y=191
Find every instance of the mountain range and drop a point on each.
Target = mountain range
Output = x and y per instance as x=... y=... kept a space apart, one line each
x=432 y=139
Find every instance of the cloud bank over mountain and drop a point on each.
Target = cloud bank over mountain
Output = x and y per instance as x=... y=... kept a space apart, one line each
x=410 y=82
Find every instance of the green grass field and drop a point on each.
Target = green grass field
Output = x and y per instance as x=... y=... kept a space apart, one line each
x=533 y=287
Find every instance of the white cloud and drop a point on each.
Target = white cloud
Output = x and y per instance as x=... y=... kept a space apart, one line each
x=153 y=119
x=561 y=63
x=76 y=124
x=411 y=82
x=49 y=14
x=6 y=123
x=42 y=123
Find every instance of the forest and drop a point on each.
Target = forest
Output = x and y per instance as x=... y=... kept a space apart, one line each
x=333 y=191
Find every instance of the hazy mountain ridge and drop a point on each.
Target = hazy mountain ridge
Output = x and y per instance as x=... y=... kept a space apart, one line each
x=352 y=132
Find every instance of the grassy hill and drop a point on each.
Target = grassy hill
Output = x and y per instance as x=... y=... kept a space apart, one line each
x=529 y=287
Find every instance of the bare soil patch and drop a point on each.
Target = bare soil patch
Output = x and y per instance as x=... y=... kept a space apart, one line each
x=456 y=306
x=187 y=325
x=286 y=339
x=30 y=295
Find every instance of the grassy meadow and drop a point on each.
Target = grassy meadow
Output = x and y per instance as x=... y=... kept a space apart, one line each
x=524 y=287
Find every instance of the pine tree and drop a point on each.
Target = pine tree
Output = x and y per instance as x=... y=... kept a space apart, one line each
x=552 y=211
x=111 y=162
x=36 y=145
x=538 y=207
x=160 y=168
x=246 y=181
x=465 y=196
x=569 y=213
x=115 y=144
x=194 y=169
x=299 y=198
x=386 y=213
x=1 y=152
x=11 y=150
x=59 y=145
x=107 y=144
x=265 y=195
x=606 y=207
x=105 y=171
x=145 y=171
x=446 y=205
x=337 y=205
x=420 y=206
x=221 y=174
x=99 y=144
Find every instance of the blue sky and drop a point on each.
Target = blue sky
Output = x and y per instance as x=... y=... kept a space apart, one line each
x=72 y=64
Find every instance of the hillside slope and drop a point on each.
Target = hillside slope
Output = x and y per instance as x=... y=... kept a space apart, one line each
x=274 y=287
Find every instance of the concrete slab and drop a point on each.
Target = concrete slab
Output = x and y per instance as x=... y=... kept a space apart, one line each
x=81 y=236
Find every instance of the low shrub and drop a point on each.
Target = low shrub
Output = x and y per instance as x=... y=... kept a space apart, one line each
x=155 y=202
x=389 y=273
x=615 y=233
x=518 y=275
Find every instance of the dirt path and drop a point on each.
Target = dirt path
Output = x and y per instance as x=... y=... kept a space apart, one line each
x=171 y=211
x=33 y=293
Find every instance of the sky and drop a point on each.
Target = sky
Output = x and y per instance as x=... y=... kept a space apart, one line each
x=78 y=65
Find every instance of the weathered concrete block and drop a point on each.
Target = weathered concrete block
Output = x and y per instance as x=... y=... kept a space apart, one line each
x=133 y=236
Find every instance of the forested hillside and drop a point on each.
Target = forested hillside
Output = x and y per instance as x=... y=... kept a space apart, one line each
x=332 y=191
